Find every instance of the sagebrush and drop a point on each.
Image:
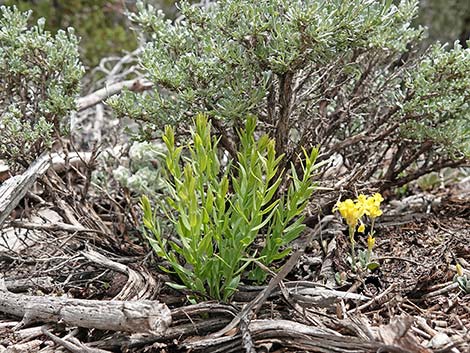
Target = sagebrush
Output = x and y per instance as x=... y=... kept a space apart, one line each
x=346 y=75
x=39 y=83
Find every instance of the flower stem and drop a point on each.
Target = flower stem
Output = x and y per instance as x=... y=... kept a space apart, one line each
x=371 y=234
x=353 y=242
x=372 y=227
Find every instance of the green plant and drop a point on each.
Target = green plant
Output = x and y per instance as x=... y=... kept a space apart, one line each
x=429 y=182
x=39 y=82
x=365 y=257
x=462 y=279
x=142 y=174
x=218 y=211
x=346 y=75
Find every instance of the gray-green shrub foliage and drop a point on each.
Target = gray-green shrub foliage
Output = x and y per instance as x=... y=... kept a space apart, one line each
x=39 y=82
x=342 y=74
x=143 y=173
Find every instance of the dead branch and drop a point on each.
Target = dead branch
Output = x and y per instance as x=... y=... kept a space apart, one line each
x=23 y=284
x=129 y=316
x=136 y=85
x=75 y=347
x=15 y=188
x=51 y=227
x=27 y=347
x=139 y=285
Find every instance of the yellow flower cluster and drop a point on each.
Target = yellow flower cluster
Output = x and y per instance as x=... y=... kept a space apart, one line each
x=372 y=206
x=353 y=211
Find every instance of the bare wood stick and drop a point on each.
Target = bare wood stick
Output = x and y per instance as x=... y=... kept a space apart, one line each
x=96 y=97
x=139 y=285
x=51 y=227
x=375 y=300
x=23 y=284
x=287 y=331
x=322 y=297
x=14 y=189
x=7 y=325
x=27 y=347
x=129 y=316
x=441 y=291
x=76 y=347
x=27 y=334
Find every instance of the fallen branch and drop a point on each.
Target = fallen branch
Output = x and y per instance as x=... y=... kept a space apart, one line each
x=23 y=284
x=52 y=227
x=75 y=347
x=288 y=334
x=139 y=285
x=129 y=316
x=27 y=347
x=15 y=188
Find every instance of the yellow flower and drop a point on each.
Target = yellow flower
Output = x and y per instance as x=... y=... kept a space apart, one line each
x=361 y=228
x=370 y=242
x=362 y=199
x=378 y=198
x=351 y=211
x=372 y=206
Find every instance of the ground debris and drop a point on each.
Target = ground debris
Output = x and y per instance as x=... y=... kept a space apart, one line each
x=67 y=251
